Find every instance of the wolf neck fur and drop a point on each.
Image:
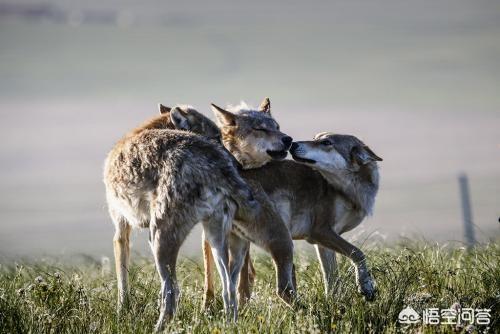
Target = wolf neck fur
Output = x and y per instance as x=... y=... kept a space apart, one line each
x=359 y=186
x=246 y=160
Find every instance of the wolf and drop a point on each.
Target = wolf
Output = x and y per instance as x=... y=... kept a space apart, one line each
x=168 y=181
x=253 y=136
x=181 y=117
x=318 y=198
x=274 y=238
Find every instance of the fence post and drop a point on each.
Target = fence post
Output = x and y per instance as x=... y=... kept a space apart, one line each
x=470 y=239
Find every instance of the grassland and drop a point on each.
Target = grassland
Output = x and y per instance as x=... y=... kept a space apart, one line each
x=47 y=298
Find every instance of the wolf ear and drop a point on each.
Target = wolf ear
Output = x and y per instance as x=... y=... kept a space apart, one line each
x=363 y=155
x=179 y=118
x=163 y=109
x=265 y=106
x=224 y=117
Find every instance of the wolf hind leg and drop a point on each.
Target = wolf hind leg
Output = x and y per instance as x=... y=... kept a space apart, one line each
x=208 y=261
x=165 y=241
x=239 y=256
x=121 y=248
x=217 y=229
x=238 y=265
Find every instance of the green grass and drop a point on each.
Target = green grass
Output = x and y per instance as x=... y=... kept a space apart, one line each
x=41 y=298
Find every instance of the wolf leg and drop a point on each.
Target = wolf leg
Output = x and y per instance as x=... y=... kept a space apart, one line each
x=217 y=229
x=251 y=269
x=121 y=247
x=165 y=244
x=328 y=262
x=208 y=261
x=282 y=254
x=218 y=244
x=329 y=239
x=239 y=252
x=247 y=278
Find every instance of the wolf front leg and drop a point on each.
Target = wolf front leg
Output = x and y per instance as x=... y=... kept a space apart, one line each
x=328 y=262
x=328 y=238
x=121 y=247
x=247 y=279
x=282 y=253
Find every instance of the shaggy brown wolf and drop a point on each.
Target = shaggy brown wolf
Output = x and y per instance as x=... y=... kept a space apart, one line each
x=316 y=204
x=168 y=181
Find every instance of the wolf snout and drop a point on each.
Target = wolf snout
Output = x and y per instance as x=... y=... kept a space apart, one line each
x=287 y=141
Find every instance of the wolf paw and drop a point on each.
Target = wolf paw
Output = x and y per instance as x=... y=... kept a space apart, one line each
x=367 y=288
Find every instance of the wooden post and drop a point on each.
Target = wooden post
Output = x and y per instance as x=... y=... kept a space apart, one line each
x=470 y=238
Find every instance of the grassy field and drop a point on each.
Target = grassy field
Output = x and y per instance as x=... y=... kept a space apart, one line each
x=46 y=298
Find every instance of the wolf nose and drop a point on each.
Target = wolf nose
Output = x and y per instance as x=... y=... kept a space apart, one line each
x=294 y=147
x=287 y=140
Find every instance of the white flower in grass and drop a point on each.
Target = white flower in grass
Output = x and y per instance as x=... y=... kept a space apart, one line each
x=456 y=306
x=93 y=326
x=470 y=329
x=419 y=297
x=105 y=266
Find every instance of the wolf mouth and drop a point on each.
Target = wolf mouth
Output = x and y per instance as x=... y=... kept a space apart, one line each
x=305 y=160
x=277 y=155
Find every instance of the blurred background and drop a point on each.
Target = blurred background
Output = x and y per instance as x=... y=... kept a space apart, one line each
x=418 y=81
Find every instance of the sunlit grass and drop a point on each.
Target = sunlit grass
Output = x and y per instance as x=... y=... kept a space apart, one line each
x=50 y=299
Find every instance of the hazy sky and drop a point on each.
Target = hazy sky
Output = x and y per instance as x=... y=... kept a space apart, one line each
x=417 y=80
x=404 y=54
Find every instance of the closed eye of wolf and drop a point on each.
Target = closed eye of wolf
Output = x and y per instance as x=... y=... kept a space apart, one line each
x=329 y=189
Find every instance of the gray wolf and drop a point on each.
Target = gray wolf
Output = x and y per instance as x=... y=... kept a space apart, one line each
x=329 y=190
x=254 y=138
x=168 y=181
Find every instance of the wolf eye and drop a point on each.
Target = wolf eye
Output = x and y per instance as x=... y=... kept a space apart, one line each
x=326 y=142
x=259 y=129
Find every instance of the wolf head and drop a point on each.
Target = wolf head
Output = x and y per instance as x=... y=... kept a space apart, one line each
x=331 y=152
x=252 y=135
x=345 y=162
x=182 y=117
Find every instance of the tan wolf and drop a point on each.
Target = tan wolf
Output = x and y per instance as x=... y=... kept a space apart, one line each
x=317 y=202
x=168 y=181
